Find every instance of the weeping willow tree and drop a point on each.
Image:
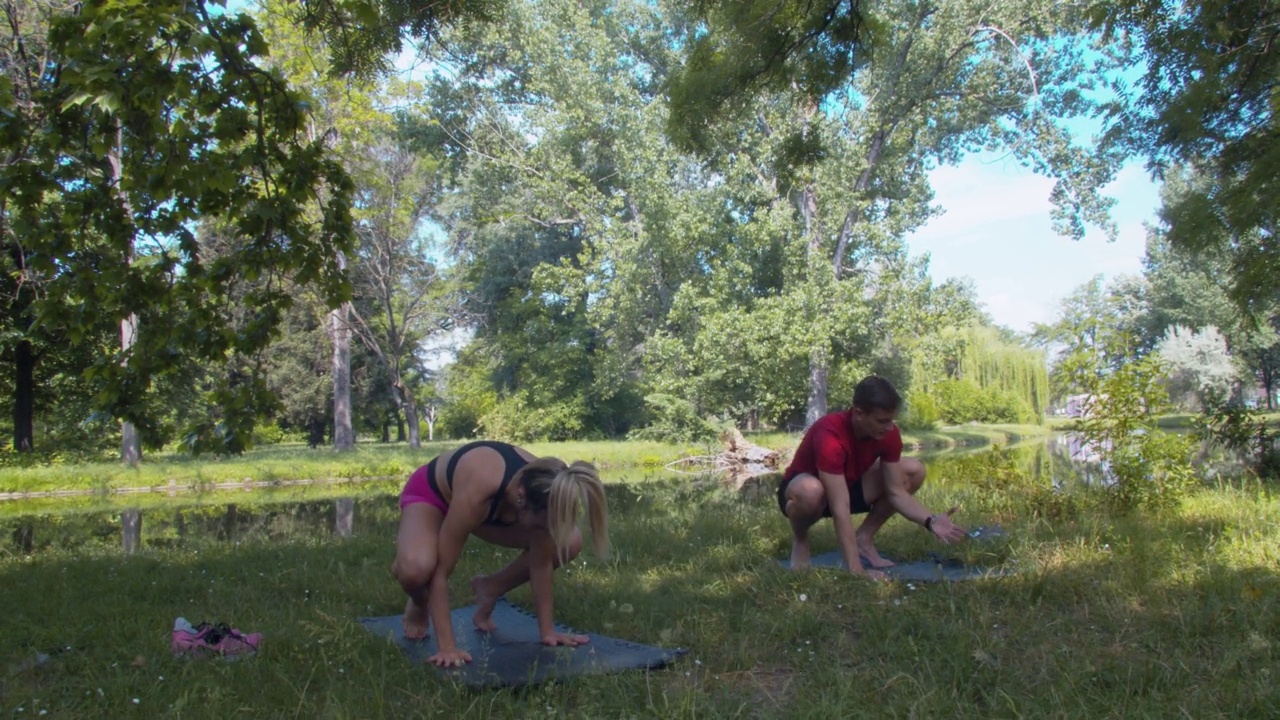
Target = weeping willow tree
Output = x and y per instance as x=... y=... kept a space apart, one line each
x=997 y=364
x=975 y=373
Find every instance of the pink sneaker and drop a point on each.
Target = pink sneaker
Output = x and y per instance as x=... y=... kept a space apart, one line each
x=205 y=639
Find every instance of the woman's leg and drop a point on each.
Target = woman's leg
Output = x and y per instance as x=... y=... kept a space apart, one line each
x=488 y=588
x=415 y=562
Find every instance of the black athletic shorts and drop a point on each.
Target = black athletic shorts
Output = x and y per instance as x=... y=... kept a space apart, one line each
x=857 y=500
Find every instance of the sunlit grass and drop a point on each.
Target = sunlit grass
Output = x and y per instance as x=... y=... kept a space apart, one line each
x=1168 y=614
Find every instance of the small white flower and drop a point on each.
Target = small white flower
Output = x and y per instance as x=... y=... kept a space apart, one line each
x=44 y=712
x=803 y=597
x=136 y=701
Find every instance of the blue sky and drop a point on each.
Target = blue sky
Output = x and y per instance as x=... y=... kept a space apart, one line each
x=997 y=231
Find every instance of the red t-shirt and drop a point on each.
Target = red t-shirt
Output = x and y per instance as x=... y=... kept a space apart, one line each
x=829 y=446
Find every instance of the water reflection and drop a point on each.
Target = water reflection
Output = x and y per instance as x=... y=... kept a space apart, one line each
x=131 y=529
x=1064 y=462
x=185 y=526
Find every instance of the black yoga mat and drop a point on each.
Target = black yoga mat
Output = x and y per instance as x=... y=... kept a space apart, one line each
x=513 y=654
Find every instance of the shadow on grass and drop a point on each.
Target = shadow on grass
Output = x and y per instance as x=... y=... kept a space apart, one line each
x=1144 y=615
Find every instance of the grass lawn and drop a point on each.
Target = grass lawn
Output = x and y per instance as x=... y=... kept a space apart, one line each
x=1168 y=614
x=279 y=463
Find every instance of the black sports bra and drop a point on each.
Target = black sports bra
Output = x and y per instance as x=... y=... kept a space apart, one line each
x=513 y=463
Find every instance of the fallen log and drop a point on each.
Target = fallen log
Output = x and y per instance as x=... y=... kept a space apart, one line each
x=741 y=462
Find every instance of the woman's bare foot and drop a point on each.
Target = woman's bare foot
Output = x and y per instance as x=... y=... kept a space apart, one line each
x=799 y=555
x=871 y=555
x=415 y=620
x=486 y=599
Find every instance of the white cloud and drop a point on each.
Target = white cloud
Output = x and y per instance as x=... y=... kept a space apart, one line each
x=997 y=230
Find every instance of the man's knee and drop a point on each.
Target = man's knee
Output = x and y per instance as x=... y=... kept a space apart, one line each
x=805 y=497
x=914 y=471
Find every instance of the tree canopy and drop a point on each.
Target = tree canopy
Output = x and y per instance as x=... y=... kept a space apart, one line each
x=645 y=214
x=1205 y=105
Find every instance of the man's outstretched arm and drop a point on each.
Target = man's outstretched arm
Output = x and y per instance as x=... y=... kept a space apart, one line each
x=895 y=490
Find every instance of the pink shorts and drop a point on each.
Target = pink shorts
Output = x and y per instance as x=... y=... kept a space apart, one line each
x=420 y=489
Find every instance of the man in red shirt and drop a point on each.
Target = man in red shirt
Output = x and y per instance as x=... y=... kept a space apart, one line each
x=851 y=462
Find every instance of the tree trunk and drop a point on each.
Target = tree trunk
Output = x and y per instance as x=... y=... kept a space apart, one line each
x=130 y=443
x=315 y=433
x=24 y=375
x=429 y=414
x=344 y=437
x=24 y=360
x=816 y=405
x=411 y=417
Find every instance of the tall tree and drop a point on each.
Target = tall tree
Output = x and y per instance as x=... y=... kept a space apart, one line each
x=1096 y=331
x=146 y=118
x=941 y=78
x=578 y=219
x=23 y=56
x=404 y=296
x=1206 y=101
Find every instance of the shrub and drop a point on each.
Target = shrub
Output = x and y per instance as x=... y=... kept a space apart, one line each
x=1242 y=430
x=673 y=420
x=962 y=401
x=268 y=434
x=1151 y=468
x=515 y=419
x=922 y=412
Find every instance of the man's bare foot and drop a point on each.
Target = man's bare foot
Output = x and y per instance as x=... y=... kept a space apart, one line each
x=415 y=620
x=799 y=555
x=871 y=555
x=486 y=599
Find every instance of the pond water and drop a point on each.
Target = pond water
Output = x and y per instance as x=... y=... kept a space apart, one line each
x=1063 y=461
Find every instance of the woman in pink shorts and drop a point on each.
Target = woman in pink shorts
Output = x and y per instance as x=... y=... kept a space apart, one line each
x=501 y=494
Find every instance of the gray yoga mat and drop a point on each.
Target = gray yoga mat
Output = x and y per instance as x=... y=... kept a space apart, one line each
x=513 y=655
x=933 y=568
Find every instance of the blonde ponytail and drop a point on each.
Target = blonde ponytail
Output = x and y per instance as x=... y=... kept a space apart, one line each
x=578 y=482
x=558 y=488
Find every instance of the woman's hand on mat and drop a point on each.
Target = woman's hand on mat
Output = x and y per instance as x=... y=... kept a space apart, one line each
x=559 y=638
x=450 y=658
x=946 y=530
x=873 y=574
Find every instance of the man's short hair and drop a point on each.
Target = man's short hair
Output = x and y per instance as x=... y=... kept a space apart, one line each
x=876 y=393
